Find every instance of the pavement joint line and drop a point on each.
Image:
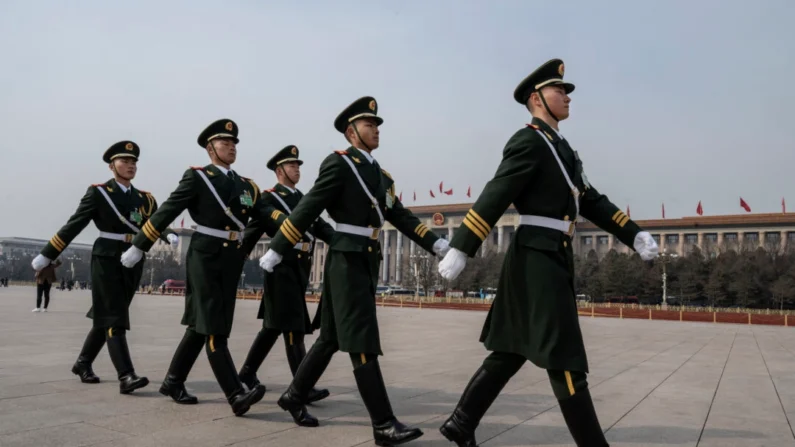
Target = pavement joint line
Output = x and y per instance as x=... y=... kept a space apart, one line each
x=717 y=387
x=775 y=388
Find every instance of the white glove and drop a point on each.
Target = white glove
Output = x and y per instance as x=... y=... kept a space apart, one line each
x=646 y=246
x=39 y=262
x=441 y=247
x=453 y=263
x=131 y=257
x=173 y=239
x=268 y=261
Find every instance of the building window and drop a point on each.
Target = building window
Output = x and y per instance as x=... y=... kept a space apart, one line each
x=671 y=238
x=321 y=276
x=602 y=240
x=791 y=235
x=656 y=238
x=691 y=238
x=730 y=237
x=711 y=237
x=752 y=237
x=586 y=240
x=772 y=237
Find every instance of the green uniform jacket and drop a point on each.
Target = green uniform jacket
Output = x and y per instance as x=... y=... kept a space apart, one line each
x=535 y=313
x=348 y=311
x=213 y=264
x=283 y=304
x=112 y=285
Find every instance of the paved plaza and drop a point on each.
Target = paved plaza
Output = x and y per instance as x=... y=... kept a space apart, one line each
x=655 y=383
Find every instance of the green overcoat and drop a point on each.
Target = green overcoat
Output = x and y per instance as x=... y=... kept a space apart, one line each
x=534 y=313
x=348 y=310
x=213 y=264
x=112 y=285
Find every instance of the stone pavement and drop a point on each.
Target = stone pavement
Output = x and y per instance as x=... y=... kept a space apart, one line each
x=655 y=383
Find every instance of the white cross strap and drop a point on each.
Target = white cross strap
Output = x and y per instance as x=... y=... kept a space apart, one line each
x=364 y=187
x=574 y=191
x=115 y=210
x=227 y=210
x=289 y=211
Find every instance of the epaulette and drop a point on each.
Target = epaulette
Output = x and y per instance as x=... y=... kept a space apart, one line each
x=145 y=192
x=98 y=184
x=269 y=190
x=533 y=126
x=197 y=168
x=386 y=173
x=342 y=152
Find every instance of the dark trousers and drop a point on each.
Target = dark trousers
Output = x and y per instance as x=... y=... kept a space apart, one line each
x=44 y=289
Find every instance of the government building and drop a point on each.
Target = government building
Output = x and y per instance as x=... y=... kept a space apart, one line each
x=674 y=236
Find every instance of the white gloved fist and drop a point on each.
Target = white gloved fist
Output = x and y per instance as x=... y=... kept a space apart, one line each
x=268 y=261
x=453 y=263
x=39 y=262
x=646 y=246
x=441 y=247
x=173 y=239
x=131 y=257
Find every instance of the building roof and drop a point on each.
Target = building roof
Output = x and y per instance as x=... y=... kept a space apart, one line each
x=41 y=242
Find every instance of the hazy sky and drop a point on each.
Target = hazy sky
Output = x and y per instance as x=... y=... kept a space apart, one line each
x=676 y=101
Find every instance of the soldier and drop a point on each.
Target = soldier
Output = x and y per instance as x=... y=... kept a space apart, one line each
x=221 y=202
x=119 y=211
x=283 y=306
x=534 y=315
x=358 y=196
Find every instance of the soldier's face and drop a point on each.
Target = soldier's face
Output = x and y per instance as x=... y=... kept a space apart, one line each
x=368 y=131
x=125 y=167
x=557 y=100
x=292 y=170
x=226 y=150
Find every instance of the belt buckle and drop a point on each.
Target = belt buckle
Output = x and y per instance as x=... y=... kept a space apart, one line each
x=128 y=238
x=233 y=235
x=376 y=231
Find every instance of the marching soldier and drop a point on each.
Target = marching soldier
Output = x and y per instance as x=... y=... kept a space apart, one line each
x=119 y=211
x=359 y=196
x=534 y=315
x=283 y=307
x=221 y=202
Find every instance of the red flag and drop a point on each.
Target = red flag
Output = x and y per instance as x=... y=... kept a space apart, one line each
x=449 y=192
x=182 y=224
x=431 y=191
x=783 y=206
x=745 y=205
x=469 y=191
x=401 y=196
x=628 y=211
x=440 y=186
x=699 y=209
x=663 y=210
x=415 y=195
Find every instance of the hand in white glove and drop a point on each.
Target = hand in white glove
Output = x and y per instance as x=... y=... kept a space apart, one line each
x=131 y=257
x=441 y=247
x=453 y=263
x=269 y=260
x=646 y=246
x=173 y=239
x=39 y=262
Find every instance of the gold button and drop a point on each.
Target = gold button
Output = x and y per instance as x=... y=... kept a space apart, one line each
x=299 y=255
x=227 y=228
x=565 y=244
x=239 y=245
x=369 y=248
x=564 y=218
x=226 y=244
x=243 y=211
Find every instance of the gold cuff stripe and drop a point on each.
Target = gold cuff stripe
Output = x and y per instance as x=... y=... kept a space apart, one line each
x=287 y=234
x=149 y=232
x=275 y=214
x=419 y=227
x=57 y=242
x=212 y=343
x=476 y=217
x=110 y=332
x=623 y=221
x=364 y=359
x=423 y=232
x=483 y=228
x=616 y=216
x=291 y=338
x=293 y=231
x=569 y=382
x=474 y=229
x=151 y=228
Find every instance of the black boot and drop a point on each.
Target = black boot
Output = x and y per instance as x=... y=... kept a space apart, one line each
x=256 y=355
x=184 y=357
x=295 y=354
x=224 y=369
x=309 y=371
x=387 y=430
x=580 y=416
x=477 y=397
x=91 y=347
x=120 y=356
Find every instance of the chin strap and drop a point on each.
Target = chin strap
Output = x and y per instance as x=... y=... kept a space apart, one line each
x=544 y=101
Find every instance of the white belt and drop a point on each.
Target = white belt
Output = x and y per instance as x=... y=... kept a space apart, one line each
x=566 y=226
x=117 y=236
x=303 y=246
x=370 y=232
x=222 y=234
